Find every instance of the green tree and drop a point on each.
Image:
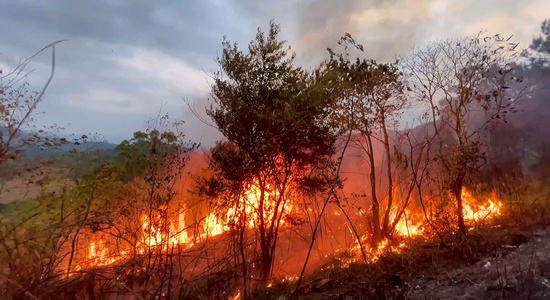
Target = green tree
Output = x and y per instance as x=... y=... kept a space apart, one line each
x=372 y=99
x=273 y=116
x=144 y=151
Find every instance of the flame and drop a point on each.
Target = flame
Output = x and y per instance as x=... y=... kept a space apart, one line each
x=237 y=296
x=101 y=253
x=290 y=278
x=249 y=206
x=157 y=232
x=475 y=211
x=99 y=256
x=408 y=228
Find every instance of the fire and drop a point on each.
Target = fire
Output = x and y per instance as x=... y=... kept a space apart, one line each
x=290 y=278
x=475 y=211
x=407 y=228
x=237 y=296
x=213 y=226
x=249 y=207
x=154 y=235
x=160 y=233
x=99 y=254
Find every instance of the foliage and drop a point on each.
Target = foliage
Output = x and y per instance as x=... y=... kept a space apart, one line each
x=282 y=125
x=273 y=116
x=136 y=154
x=370 y=103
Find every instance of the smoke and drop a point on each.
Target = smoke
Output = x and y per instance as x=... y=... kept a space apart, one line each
x=385 y=28
x=521 y=142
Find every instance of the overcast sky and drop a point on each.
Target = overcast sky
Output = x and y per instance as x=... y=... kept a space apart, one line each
x=125 y=61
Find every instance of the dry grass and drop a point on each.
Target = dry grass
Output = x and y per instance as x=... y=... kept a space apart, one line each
x=32 y=184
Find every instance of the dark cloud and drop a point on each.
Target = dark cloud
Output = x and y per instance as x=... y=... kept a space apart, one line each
x=126 y=59
x=183 y=27
x=103 y=57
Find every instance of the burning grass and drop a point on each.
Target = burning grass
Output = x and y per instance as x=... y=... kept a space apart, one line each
x=200 y=251
x=160 y=234
x=476 y=211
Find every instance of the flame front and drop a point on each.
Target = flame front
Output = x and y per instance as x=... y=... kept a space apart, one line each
x=474 y=211
x=158 y=233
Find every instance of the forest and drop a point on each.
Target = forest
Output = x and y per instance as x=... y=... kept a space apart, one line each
x=354 y=179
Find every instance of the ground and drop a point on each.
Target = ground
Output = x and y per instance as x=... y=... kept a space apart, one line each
x=516 y=272
x=499 y=262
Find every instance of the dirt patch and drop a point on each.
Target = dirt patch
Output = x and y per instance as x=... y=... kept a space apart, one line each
x=522 y=273
x=502 y=262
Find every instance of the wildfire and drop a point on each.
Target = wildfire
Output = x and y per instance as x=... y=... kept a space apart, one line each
x=99 y=255
x=407 y=228
x=160 y=233
x=475 y=211
x=237 y=296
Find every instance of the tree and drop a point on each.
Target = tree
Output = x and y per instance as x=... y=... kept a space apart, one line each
x=137 y=154
x=273 y=117
x=133 y=216
x=372 y=98
x=17 y=106
x=465 y=84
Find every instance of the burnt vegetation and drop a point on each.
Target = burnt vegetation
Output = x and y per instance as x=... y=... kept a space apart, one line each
x=352 y=179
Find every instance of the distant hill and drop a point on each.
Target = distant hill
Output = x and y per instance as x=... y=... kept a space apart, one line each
x=105 y=149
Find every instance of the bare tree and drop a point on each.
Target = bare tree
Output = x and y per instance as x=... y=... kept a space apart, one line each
x=17 y=106
x=464 y=84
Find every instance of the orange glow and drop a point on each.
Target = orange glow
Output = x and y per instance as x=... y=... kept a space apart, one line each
x=475 y=211
x=160 y=233
x=237 y=296
x=290 y=278
x=408 y=228
x=101 y=253
x=157 y=231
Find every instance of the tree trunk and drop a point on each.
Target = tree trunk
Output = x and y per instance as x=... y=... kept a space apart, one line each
x=265 y=268
x=385 y=227
x=460 y=212
x=377 y=236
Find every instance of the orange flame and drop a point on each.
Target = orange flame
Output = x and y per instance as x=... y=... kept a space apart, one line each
x=155 y=232
x=475 y=211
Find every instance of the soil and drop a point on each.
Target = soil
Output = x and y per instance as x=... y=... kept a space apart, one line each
x=517 y=272
x=502 y=262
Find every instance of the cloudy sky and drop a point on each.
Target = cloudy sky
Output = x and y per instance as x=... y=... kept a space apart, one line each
x=124 y=61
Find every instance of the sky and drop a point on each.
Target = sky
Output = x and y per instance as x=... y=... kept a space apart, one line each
x=125 y=62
